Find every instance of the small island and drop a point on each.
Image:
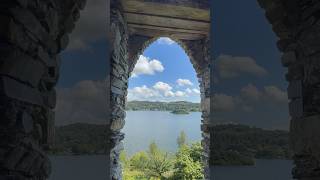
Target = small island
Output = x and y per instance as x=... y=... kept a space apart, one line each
x=180 y=111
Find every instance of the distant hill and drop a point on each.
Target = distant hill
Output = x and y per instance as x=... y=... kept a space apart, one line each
x=242 y=144
x=80 y=138
x=232 y=144
x=163 y=106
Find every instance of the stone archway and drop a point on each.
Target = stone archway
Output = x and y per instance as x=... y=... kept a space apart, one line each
x=132 y=36
x=198 y=53
x=33 y=33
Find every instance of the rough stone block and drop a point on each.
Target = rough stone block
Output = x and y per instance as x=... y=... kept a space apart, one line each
x=288 y=58
x=51 y=98
x=64 y=41
x=38 y=133
x=14 y=157
x=117 y=91
x=27 y=161
x=23 y=67
x=305 y=135
x=49 y=129
x=36 y=166
x=32 y=24
x=118 y=112
x=15 y=34
x=275 y=12
x=119 y=83
x=204 y=128
x=295 y=89
x=205 y=104
x=52 y=20
x=20 y=91
x=117 y=124
x=27 y=122
x=281 y=30
x=296 y=108
x=45 y=57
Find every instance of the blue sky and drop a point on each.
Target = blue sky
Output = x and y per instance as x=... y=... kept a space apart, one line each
x=250 y=83
x=165 y=72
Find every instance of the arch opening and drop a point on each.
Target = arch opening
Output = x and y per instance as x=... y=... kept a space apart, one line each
x=163 y=103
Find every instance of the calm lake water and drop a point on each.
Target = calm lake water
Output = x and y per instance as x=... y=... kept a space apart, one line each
x=143 y=127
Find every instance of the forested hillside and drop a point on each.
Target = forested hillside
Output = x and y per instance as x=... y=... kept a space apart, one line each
x=162 y=106
x=233 y=144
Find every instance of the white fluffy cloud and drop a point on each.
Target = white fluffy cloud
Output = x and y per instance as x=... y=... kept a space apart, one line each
x=161 y=91
x=196 y=91
x=180 y=94
x=184 y=82
x=147 y=66
x=142 y=93
x=163 y=87
x=232 y=66
x=192 y=91
x=165 y=40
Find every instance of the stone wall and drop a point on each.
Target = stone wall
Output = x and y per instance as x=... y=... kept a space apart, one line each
x=298 y=29
x=119 y=85
x=32 y=34
x=297 y=25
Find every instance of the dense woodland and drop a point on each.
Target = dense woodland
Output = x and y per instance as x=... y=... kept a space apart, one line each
x=232 y=144
x=163 y=106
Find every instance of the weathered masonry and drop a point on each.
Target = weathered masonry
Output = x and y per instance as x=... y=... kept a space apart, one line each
x=134 y=25
x=34 y=32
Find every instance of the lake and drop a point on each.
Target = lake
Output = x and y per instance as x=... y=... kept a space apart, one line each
x=143 y=127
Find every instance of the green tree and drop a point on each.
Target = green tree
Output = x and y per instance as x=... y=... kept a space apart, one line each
x=159 y=162
x=196 y=151
x=153 y=148
x=188 y=163
x=182 y=139
x=139 y=161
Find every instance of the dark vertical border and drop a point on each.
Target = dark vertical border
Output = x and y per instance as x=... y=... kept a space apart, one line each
x=108 y=86
x=212 y=69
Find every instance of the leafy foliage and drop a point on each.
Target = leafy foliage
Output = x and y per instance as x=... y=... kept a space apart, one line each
x=157 y=164
x=181 y=140
x=188 y=163
x=139 y=161
x=154 y=164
